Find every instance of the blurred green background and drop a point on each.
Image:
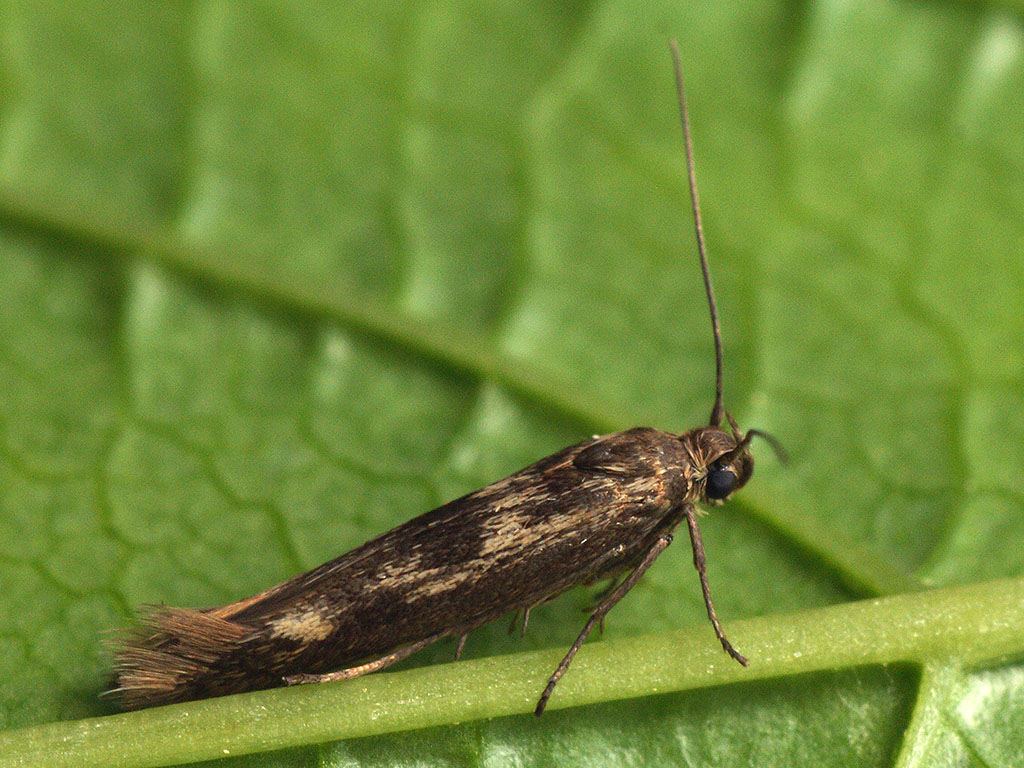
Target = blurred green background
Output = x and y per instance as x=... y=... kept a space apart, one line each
x=276 y=277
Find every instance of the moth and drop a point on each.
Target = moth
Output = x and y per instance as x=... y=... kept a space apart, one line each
x=602 y=509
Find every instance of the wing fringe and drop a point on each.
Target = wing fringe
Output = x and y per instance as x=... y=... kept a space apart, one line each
x=166 y=656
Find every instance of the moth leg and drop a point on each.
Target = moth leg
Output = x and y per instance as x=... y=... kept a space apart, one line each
x=699 y=562
x=596 y=600
x=612 y=583
x=460 y=645
x=526 y=620
x=364 y=669
x=606 y=605
x=520 y=619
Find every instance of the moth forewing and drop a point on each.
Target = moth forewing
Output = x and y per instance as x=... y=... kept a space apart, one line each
x=603 y=508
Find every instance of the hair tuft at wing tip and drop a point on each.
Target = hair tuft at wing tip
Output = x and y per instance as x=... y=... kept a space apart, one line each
x=167 y=656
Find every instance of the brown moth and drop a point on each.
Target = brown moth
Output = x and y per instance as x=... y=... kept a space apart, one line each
x=602 y=509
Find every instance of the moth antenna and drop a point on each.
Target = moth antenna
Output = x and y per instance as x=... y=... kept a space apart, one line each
x=741 y=445
x=716 y=411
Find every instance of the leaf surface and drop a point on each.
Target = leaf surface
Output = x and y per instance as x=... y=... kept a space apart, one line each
x=277 y=279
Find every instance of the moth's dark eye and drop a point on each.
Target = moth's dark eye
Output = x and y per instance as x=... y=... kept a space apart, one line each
x=720 y=483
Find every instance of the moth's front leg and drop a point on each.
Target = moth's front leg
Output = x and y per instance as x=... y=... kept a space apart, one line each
x=699 y=563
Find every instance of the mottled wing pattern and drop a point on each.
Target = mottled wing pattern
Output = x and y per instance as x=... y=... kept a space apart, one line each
x=591 y=510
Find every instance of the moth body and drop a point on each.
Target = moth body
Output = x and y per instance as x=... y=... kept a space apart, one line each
x=589 y=512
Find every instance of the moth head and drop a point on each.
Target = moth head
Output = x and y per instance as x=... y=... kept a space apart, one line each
x=726 y=460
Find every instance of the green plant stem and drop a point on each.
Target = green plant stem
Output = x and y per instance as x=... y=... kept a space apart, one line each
x=933 y=694
x=966 y=625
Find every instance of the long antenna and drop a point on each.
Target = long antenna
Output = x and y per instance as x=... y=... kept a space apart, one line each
x=717 y=410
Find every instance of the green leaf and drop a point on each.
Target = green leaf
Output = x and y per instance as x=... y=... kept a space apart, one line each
x=276 y=278
x=941 y=631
